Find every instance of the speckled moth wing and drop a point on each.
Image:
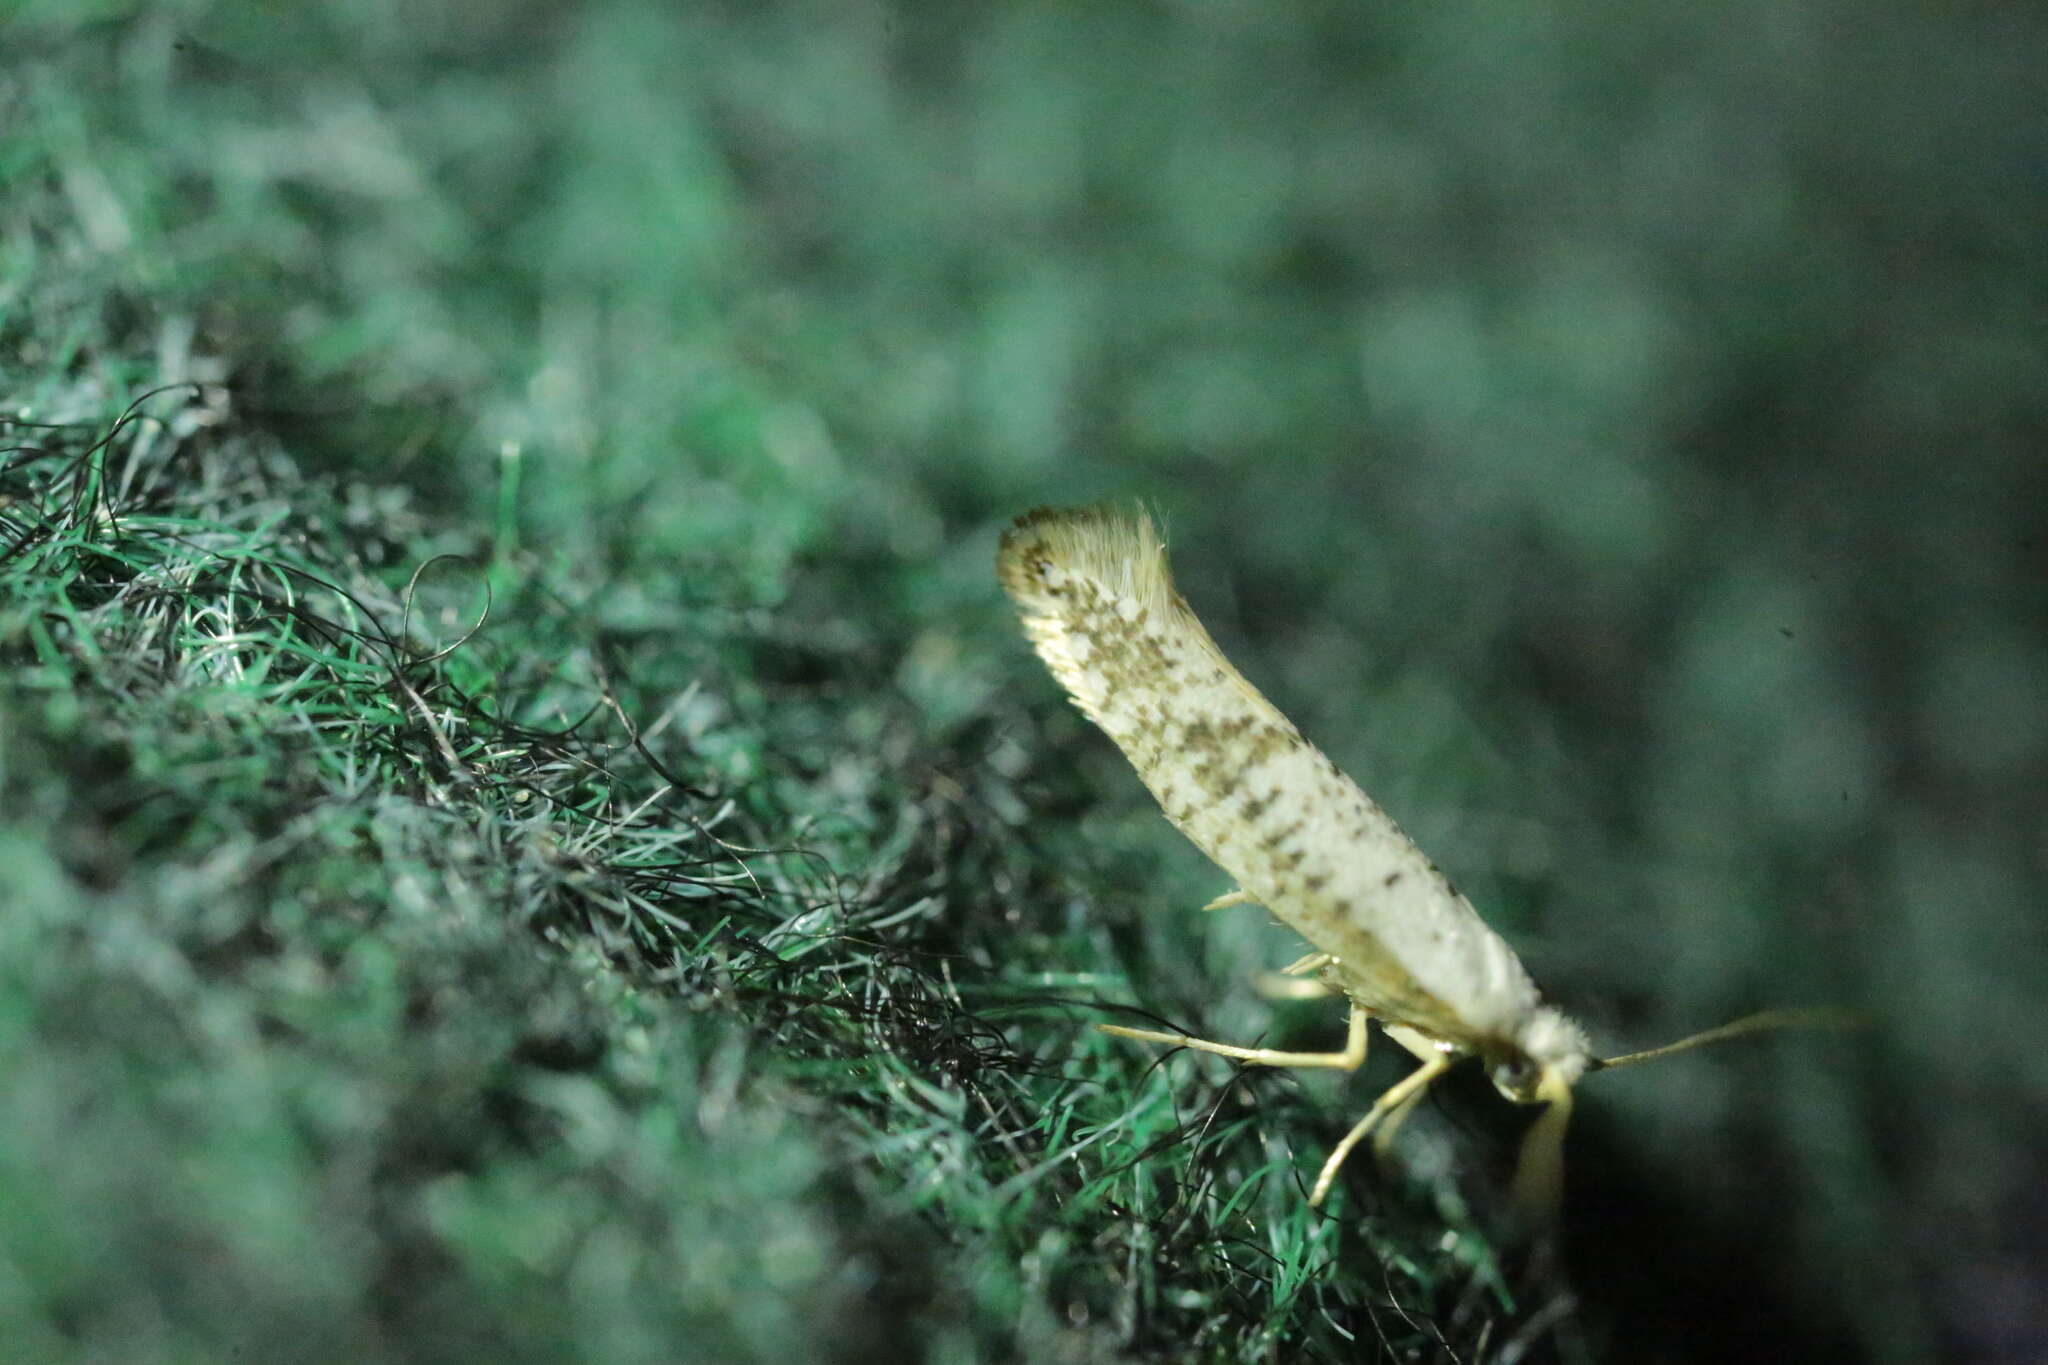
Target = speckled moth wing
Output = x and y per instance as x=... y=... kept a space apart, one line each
x=1236 y=776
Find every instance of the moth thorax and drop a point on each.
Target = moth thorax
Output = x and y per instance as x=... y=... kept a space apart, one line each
x=1547 y=1042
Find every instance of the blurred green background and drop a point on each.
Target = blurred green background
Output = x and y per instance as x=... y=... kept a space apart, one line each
x=1616 y=434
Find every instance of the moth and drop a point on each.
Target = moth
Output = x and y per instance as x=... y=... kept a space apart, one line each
x=1389 y=932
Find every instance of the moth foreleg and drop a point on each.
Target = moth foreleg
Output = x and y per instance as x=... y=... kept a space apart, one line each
x=1401 y=1094
x=1230 y=898
x=1425 y=1049
x=1350 y=1059
x=1383 y=1136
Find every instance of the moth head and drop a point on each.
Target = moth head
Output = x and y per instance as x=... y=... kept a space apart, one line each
x=1548 y=1044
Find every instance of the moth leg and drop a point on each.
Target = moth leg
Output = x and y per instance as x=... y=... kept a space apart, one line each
x=1230 y=898
x=1398 y=1096
x=1280 y=986
x=1383 y=1136
x=1425 y=1050
x=1287 y=983
x=1350 y=1059
x=1539 y=1174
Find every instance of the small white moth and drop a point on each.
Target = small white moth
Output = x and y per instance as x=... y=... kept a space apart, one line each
x=1390 y=932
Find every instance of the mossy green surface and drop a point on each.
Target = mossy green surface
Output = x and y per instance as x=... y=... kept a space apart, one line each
x=527 y=831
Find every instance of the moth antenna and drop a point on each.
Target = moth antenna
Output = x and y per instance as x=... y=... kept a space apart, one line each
x=1764 y=1022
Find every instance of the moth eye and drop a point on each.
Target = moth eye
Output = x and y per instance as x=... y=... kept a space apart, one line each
x=1516 y=1077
